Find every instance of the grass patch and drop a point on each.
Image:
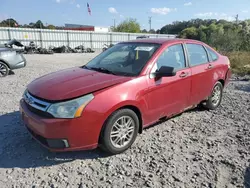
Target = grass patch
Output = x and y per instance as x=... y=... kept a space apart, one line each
x=240 y=62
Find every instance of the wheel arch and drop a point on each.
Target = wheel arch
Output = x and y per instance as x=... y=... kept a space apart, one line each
x=5 y=62
x=137 y=111
x=222 y=82
x=132 y=107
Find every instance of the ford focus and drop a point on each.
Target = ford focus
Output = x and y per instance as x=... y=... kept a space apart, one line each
x=126 y=88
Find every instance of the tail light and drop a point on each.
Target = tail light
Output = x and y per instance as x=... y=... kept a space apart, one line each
x=228 y=63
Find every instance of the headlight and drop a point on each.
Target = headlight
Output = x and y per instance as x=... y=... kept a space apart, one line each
x=24 y=93
x=70 y=109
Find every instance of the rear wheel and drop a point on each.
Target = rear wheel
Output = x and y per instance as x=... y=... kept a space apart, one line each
x=4 y=70
x=120 y=131
x=215 y=98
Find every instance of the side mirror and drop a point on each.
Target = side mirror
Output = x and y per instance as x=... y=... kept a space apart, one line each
x=165 y=71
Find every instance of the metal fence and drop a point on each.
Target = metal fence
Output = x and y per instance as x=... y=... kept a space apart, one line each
x=46 y=37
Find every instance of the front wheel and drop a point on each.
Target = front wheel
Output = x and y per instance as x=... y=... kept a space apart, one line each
x=4 y=70
x=215 y=98
x=120 y=131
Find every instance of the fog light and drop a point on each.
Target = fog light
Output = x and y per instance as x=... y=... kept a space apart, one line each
x=58 y=143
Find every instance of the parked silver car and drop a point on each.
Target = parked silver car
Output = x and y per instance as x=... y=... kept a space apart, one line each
x=10 y=58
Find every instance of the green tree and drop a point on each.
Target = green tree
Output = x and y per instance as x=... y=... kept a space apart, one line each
x=152 y=31
x=189 y=33
x=144 y=31
x=51 y=27
x=31 y=24
x=10 y=22
x=39 y=24
x=129 y=26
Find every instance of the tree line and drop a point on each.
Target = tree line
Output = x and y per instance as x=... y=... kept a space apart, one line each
x=10 y=22
x=129 y=25
x=223 y=35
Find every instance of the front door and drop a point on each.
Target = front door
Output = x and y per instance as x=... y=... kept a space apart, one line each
x=169 y=95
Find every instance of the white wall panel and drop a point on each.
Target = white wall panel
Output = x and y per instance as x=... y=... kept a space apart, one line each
x=46 y=37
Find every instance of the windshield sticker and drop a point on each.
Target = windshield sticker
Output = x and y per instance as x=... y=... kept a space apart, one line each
x=144 y=48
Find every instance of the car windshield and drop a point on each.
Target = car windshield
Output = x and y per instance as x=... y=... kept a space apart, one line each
x=127 y=59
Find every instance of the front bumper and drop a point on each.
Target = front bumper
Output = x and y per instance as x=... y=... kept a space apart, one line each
x=60 y=134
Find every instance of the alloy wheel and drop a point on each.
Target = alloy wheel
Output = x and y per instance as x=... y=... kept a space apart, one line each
x=3 y=70
x=216 y=95
x=122 y=132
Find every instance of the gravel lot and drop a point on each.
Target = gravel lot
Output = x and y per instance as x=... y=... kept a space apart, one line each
x=195 y=149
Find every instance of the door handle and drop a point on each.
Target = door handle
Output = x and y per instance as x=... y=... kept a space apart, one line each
x=209 y=66
x=183 y=74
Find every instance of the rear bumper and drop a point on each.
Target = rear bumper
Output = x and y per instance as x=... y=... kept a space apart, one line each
x=59 y=135
x=228 y=76
x=21 y=63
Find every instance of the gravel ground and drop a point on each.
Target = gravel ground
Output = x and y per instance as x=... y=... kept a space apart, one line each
x=195 y=149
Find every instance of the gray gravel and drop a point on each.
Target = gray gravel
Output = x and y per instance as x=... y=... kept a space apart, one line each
x=195 y=149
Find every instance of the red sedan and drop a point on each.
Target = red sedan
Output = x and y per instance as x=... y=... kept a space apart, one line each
x=132 y=85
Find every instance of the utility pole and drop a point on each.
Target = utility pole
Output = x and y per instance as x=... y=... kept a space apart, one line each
x=237 y=19
x=114 y=23
x=150 y=22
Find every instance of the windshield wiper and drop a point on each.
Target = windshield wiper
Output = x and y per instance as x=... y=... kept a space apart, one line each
x=101 y=69
x=85 y=67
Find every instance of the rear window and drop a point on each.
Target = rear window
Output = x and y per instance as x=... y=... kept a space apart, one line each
x=197 y=54
x=212 y=54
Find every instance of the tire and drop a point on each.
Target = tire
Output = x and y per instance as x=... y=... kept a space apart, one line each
x=113 y=145
x=4 y=69
x=215 y=98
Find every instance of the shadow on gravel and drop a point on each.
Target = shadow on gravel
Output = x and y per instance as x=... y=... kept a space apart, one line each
x=11 y=72
x=18 y=149
x=245 y=88
x=247 y=178
x=242 y=85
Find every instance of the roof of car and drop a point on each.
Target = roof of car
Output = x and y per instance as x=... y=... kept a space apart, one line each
x=163 y=40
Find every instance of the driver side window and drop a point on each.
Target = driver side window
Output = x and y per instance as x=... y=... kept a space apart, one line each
x=115 y=57
x=173 y=56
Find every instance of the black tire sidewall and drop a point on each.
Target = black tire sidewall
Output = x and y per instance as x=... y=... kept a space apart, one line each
x=7 y=69
x=106 y=142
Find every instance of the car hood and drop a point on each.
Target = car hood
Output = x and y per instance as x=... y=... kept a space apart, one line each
x=72 y=83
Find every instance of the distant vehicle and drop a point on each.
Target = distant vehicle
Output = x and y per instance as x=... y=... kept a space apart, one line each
x=10 y=58
x=142 y=37
x=105 y=47
x=126 y=88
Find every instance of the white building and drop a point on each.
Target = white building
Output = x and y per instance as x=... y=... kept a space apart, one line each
x=101 y=29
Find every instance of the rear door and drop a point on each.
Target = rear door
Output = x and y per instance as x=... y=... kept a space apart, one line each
x=169 y=95
x=202 y=72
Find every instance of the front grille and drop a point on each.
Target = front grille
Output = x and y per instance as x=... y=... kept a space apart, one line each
x=37 y=106
x=39 y=112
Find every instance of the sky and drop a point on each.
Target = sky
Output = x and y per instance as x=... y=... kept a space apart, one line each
x=104 y=12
